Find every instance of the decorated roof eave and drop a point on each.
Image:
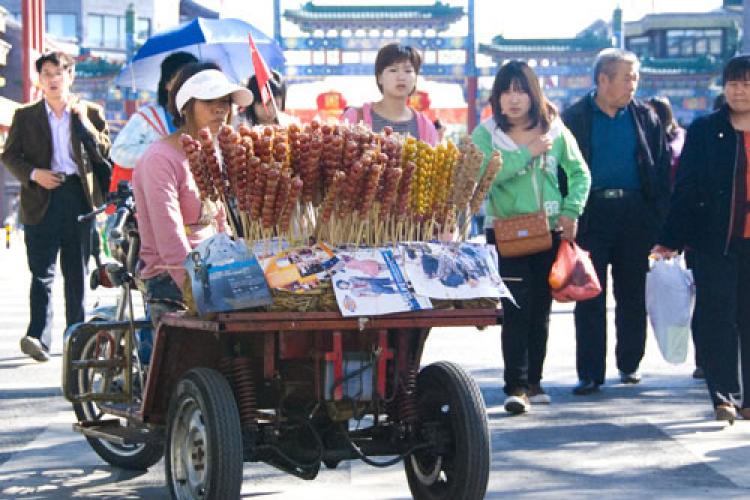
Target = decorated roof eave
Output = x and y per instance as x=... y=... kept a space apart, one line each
x=676 y=73
x=438 y=9
x=692 y=20
x=501 y=50
x=583 y=42
x=352 y=25
x=311 y=17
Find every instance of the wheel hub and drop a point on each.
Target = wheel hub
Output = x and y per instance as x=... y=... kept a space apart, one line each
x=190 y=452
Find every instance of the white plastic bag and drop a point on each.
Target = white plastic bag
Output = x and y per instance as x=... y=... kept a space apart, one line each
x=670 y=294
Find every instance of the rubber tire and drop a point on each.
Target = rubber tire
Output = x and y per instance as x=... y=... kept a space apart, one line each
x=137 y=457
x=211 y=393
x=446 y=384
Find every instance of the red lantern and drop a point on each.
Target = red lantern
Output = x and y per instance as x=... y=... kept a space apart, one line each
x=331 y=101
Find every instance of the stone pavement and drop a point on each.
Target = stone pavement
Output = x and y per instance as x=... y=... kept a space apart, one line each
x=656 y=439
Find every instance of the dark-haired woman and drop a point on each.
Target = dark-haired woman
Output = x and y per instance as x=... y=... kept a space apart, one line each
x=172 y=218
x=675 y=134
x=257 y=113
x=396 y=70
x=534 y=143
x=676 y=141
x=149 y=124
x=710 y=213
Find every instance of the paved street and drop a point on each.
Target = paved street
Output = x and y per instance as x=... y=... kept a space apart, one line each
x=652 y=440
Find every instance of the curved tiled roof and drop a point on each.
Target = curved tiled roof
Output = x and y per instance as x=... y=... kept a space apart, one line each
x=437 y=16
x=501 y=44
x=683 y=20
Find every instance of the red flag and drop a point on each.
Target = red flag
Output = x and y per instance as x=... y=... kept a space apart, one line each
x=261 y=72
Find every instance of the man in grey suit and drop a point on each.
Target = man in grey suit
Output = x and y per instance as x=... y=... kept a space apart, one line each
x=44 y=150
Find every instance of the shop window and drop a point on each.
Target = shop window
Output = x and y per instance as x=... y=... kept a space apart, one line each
x=62 y=25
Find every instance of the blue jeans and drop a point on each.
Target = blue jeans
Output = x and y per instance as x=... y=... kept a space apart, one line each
x=162 y=296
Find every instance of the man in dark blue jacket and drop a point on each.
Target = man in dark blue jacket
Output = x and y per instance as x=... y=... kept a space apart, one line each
x=710 y=213
x=627 y=153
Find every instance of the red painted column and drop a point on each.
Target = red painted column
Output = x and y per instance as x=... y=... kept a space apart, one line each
x=32 y=40
x=471 y=99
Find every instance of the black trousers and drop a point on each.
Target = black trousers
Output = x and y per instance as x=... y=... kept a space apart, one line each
x=620 y=233
x=526 y=327
x=690 y=263
x=59 y=231
x=721 y=320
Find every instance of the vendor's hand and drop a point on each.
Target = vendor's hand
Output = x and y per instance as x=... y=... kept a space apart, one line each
x=569 y=227
x=187 y=296
x=540 y=145
x=661 y=252
x=46 y=178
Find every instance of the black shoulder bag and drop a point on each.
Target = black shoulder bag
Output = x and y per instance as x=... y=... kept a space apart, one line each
x=101 y=166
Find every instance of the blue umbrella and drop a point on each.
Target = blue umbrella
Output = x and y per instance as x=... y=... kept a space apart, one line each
x=223 y=41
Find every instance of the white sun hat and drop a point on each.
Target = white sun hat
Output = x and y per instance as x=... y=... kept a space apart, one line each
x=211 y=84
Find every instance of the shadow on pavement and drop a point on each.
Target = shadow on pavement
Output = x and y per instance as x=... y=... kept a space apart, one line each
x=99 y=482
x=41 y=392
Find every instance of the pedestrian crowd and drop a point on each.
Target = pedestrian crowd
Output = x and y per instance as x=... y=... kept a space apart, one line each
x=615 y=175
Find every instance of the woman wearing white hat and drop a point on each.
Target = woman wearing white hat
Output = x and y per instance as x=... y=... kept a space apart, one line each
x=172 y=219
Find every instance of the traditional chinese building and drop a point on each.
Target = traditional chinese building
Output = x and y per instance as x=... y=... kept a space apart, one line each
x=682 y=55
x=343 y=40
x=562 y=64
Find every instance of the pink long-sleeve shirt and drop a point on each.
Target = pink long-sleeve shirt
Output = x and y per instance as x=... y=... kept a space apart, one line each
x=169 y=209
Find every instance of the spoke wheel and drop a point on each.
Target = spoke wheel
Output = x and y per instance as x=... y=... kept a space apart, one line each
x=457 y=468
x=131 y=457
x=204 y=438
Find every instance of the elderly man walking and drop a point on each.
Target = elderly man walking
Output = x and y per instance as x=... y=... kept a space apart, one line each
x=626 y=150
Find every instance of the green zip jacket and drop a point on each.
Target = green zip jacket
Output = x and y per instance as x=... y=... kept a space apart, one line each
x=512 y=192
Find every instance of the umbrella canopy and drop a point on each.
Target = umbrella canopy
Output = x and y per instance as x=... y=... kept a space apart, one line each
x=223 y=41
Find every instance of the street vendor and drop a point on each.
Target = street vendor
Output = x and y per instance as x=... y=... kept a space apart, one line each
x=396 y=70
x=172 y=217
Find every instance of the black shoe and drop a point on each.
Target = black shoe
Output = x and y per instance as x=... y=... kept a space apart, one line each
x=699 y=374
x=630 y=378
x=585 y=387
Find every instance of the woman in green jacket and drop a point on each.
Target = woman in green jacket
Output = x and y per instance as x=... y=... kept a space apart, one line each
x=526 y=129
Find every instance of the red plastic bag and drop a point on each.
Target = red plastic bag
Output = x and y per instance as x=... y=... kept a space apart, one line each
x=573 y=277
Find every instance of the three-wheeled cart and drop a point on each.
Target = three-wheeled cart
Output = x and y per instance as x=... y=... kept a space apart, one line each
x=294 y=390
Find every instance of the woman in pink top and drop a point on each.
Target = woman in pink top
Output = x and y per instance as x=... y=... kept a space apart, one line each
x=396 y=70
x=172 y=219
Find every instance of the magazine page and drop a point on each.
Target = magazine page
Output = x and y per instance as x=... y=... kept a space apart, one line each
x=369 y=282
x=453 y=271
x=225 y=276
x=298 y=269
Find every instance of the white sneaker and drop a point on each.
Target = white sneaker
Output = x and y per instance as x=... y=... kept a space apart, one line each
x=33 y=348
x=517 y=404
x=538 y=396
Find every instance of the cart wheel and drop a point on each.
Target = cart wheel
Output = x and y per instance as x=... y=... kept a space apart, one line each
x=130 y=457
x=450 y=403
x=204 y=438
